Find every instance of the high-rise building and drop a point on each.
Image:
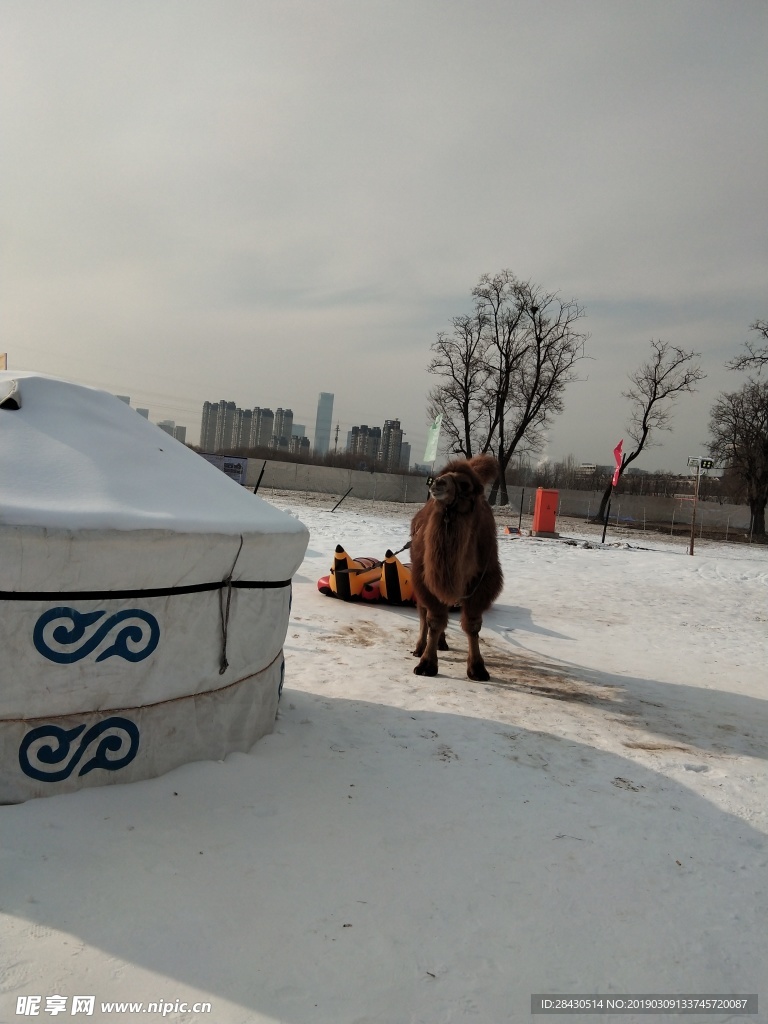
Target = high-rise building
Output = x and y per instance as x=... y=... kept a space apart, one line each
x=284 y=423
x=253 y=440
x=323 y=423
x=391 y=446
x=208 y=427
x=298 y=445
x=180 y=433
x=168 y=426
x=144 y=413
x=243 y=433
x=225 y=426
x=266 y=428
x=124 y=398
x=364 y=440
x=405 y=457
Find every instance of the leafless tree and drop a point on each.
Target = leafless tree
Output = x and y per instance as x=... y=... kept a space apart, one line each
x=755 y=357
x=739 y=428
x=739 y=440
x=656 y=386
x=506 y=376
x=459 y=359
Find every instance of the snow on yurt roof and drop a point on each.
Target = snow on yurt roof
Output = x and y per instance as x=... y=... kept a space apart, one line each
x=76 y=458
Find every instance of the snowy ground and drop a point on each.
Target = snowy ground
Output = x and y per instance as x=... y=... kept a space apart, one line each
x=404 y=849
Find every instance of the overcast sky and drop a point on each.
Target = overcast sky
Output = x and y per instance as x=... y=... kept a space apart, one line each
x=258 y=201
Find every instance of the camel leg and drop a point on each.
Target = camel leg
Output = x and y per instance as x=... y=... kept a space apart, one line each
x=471 y=624
x=436 y=621
x=421 y=643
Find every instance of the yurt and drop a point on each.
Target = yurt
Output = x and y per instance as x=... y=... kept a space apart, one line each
x=144 y=596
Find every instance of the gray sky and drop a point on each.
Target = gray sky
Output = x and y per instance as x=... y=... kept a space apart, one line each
x=259 y=201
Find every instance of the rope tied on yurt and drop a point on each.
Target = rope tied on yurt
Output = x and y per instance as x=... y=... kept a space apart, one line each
x=224 y=606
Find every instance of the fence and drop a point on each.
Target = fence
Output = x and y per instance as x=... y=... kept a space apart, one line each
x=638 y=511
x=295 y=476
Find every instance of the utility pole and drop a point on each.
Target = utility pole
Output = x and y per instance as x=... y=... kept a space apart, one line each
x=700 y=464
x=336 y=442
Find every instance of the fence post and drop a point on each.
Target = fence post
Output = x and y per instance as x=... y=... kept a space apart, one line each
x=672 y=527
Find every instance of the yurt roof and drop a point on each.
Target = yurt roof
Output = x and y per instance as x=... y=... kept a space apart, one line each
x=73 y=458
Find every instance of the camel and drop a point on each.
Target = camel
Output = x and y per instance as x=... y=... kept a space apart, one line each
x=455 y=560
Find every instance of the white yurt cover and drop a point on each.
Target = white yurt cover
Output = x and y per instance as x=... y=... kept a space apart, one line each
x=144 y=596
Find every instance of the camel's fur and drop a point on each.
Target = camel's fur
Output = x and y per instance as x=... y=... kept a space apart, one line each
x=455 y=560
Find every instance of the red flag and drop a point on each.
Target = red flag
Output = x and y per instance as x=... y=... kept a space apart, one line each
x=617 y=456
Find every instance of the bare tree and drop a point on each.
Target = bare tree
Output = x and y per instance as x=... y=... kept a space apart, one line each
x=739 y=429
x=459 y=358
x=739 y=440
x=505 y=378
x=754 y=358
x=656 y=386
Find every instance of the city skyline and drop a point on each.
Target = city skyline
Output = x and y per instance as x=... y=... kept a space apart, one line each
x=227 y=427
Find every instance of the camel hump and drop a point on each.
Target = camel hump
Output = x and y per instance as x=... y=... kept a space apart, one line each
x=486 y=466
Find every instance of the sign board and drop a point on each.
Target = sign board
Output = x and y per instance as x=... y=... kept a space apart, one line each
x=234 y=466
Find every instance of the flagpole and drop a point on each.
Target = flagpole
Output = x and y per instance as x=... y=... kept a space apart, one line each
x=614 y=480
x=607 y=514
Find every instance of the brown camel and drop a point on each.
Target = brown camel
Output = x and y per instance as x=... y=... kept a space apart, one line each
x=455 y=560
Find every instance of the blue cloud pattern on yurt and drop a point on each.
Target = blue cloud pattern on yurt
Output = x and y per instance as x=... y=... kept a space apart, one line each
x=47 y=746
x=144 y=629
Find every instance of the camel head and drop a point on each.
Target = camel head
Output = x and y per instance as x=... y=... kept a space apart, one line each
x=463 y=479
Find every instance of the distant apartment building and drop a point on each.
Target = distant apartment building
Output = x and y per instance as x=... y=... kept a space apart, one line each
x=299 y=445
x=144 y=413
x=365 y=441
x=180 y=433
x=391 y=446
x=220 y=426
x=224 y=426
x=323 y=423
x=253 y=437
x=266 y=428
x=384 y=446
x=208 y=427
x=168 y=426
x=283 y=423
x=124 y=398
